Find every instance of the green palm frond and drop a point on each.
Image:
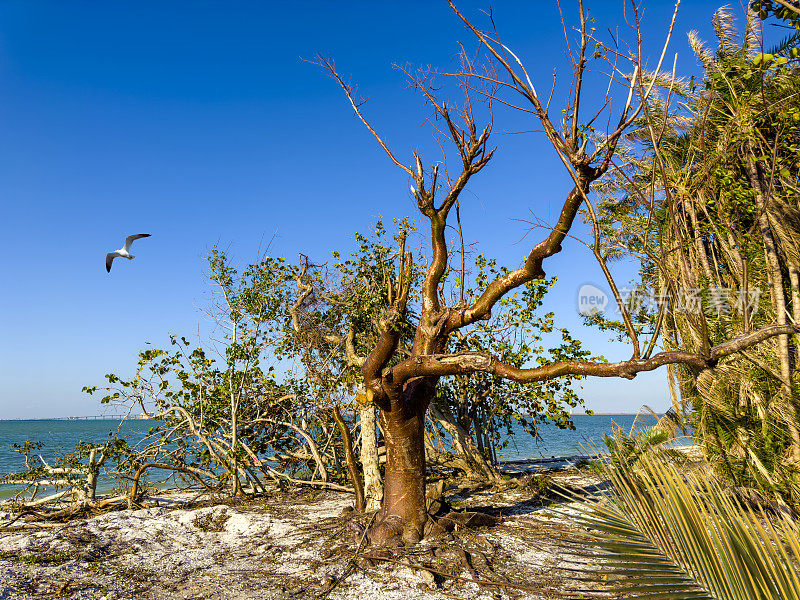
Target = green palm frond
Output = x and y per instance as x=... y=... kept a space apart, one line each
x=664 y=534
x=787 y=43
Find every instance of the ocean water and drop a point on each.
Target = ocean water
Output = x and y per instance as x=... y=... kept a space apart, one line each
x=587 y=436
x=57 y=436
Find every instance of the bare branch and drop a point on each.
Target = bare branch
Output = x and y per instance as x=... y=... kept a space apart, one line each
x=330 y=67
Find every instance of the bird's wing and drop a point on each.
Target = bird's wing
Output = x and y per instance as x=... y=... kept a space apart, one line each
x=109 y=259
x=129 y=240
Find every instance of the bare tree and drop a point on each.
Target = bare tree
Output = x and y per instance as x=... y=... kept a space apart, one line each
x=403 y=386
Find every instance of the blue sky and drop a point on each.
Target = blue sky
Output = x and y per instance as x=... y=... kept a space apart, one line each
x=199 y=123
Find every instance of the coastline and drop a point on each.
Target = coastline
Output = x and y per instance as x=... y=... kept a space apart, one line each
x=506 y=467
x=513 y=467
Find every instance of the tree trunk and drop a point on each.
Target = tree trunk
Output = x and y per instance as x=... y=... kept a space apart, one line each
x=373 y=488
x=404 y=513
x=479 y=437
x=92 y=473
x=785 y=222
x=347 y=442
x=465 y=447
x=779 y=302
x=794 y=281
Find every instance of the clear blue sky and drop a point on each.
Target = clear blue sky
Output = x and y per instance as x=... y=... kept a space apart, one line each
x=198 y=122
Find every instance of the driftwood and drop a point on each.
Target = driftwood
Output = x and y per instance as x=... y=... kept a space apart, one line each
x=307 y=482
x=133 y=497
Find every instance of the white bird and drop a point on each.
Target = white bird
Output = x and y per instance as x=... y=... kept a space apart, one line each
x=123 y=252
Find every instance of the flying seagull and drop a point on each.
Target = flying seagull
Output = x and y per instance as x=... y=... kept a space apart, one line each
x=123 y=252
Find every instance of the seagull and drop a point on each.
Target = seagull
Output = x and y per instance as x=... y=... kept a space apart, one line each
x=123 y=252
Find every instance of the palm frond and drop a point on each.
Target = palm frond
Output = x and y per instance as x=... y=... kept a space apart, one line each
x=672 y=535
x=787 y=43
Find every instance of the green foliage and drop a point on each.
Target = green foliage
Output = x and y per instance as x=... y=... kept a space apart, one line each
x=218 y=405
x=662 y=532
x=33 y=468
x=68 y=470
x=518 y=334
x=210 y=402
x=771 y=8
x=627 y=449
x=341 y=318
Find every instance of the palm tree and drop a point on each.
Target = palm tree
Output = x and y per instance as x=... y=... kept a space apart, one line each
x=721 y=157
x=660 y=533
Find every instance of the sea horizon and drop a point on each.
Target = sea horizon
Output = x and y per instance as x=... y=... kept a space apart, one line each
x=137 y=418
x=60 y=435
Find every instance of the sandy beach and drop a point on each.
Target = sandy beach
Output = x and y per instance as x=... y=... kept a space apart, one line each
x=299 y=543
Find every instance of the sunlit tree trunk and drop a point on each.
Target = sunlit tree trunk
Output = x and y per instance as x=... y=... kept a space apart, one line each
x=404 y=512
x=350 y=459
x=466 y=449
x=373 y=487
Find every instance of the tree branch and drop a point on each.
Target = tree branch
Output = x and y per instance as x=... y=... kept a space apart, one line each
x=532 y=268
x=330 y=67
x=462 y=363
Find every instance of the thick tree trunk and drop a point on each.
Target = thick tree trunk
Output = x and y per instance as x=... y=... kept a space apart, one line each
x=403 y=514
x=373 y=488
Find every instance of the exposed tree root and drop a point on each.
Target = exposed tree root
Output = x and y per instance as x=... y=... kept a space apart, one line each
x=442 y=548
